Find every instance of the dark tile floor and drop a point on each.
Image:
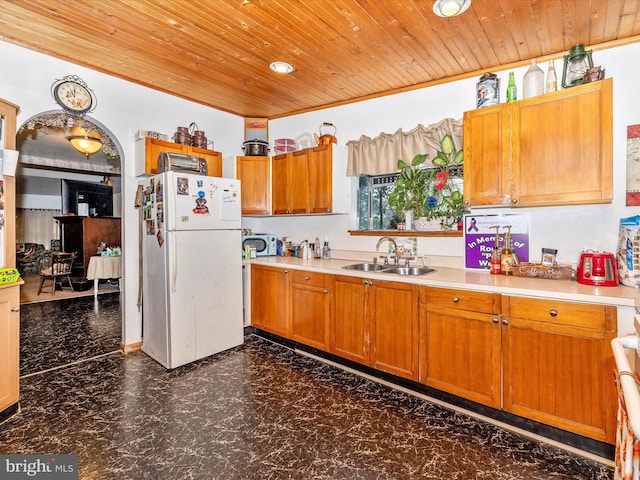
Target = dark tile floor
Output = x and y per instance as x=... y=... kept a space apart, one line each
x=259 y=411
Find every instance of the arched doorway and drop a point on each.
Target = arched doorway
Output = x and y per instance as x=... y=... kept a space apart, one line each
x=47 y=157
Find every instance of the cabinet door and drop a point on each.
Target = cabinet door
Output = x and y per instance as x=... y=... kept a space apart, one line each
x=9 y=346
x=254 y=174
x=558 y=365
x=487 y=156
x=349 y=332
x=311 y=308
x=320 y=178
x=153 y=148
x=393 y=309
x=213 y=159
x=460 y=353
x=299 y=186
x=270 y=299
x=280 y=184
x=556 y=137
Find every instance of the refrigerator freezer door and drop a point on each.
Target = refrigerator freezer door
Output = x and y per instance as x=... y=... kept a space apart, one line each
x=195 y=202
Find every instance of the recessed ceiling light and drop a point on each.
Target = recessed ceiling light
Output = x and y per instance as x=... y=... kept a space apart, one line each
x=450 y=8
x=281 y=67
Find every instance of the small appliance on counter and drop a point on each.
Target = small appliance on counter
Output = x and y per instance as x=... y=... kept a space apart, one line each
x=597 y=268
x=266 y=244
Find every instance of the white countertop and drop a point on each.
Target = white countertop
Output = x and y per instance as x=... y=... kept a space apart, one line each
x=474 y=280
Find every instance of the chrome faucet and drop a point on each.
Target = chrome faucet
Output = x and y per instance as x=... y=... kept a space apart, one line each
x=395 y=248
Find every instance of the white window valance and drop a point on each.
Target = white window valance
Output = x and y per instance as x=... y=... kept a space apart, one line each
x=380 y=155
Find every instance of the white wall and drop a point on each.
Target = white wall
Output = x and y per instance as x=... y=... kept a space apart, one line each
x=123 y=107
x=567 y=229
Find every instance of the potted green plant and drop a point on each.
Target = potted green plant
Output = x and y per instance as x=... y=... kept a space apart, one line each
x=428 y=192
x=410 y=189
x=452 y=204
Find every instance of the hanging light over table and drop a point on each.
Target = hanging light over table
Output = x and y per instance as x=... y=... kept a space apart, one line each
x=576 y=64
x=87 y=143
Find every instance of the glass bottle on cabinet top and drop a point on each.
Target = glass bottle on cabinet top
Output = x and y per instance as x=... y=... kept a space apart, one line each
x=533 y=81
x=512 y=90
x=552 y=79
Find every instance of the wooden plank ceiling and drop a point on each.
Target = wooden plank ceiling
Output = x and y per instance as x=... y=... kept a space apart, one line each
x=217 y=52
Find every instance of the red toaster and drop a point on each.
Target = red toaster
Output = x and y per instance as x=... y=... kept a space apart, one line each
x=598 y=268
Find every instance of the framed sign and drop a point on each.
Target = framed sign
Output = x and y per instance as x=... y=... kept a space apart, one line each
x=479 y=237
x=256 y=129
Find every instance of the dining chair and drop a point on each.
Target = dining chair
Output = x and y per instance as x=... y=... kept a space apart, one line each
x=56 y=267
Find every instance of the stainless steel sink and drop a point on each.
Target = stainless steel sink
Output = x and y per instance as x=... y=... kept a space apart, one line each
x=366 y=267
x=410 y=271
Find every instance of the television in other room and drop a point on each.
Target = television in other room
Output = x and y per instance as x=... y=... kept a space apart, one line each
x=86 y=199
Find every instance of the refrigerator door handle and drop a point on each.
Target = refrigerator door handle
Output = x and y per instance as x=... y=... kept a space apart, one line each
x=173 y=255
x=170 y=187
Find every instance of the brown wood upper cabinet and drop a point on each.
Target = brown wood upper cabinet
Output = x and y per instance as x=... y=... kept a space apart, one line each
x=528 y=153
x=254 y=173
x=302 y=181
x=153 y=147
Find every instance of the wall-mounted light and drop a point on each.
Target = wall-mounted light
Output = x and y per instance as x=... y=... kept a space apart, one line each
x=87 y=143
x=281 y=67
x=450 y=8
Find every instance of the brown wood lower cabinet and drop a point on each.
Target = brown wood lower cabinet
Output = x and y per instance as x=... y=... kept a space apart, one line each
x=558 y=364
x=546 y=360
x=270 y=299
x=9 y=346
x=311 y=308
x=349 y=326
x=376 y=323
x=460 y=343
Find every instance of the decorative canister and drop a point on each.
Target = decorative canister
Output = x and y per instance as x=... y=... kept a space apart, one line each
x=198 y=139
x=182 y=136
x=488 y=90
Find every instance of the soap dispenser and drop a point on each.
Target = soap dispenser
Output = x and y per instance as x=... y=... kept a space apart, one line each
x=495 y=267
x=508 y=258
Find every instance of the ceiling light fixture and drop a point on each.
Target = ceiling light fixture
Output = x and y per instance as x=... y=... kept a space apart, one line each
x=450 y=8
x=87 y=143
x=281 y=67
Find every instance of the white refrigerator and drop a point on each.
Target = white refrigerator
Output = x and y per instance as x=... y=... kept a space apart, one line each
x=192 y=267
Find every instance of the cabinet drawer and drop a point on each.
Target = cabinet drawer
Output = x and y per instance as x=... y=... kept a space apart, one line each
x=584 y=315
x=310 y=278
x=460 y=299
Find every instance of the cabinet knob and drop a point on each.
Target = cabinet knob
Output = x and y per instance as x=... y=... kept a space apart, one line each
x=553 y=313
x=326 y=290
x=306 y=278
x=495 y=320
x=15 y=309
x=466 y=202
x=505 y=321
x=514 y=200
x=456 y=299
x=286 y=271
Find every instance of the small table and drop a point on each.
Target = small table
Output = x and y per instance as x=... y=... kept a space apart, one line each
x=103 y=268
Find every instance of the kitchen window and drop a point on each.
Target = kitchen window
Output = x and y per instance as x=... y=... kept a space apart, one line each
x=374 y=212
